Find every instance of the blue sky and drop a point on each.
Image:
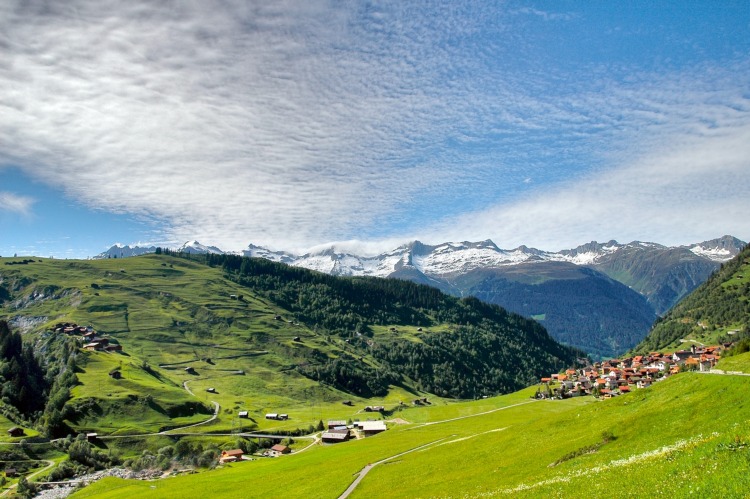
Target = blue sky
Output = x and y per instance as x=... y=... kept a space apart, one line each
x=295 y=124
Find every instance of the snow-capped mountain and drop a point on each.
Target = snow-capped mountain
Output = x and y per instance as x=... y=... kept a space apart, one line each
x=196 y=248
x=124 y=251
x=461 y=257
x=718 y=250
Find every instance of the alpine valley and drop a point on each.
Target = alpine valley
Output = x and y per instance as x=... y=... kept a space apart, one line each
x=600 y=297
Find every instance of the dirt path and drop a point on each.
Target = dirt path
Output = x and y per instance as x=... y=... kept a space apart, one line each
x=367 y=468
x=370 y=466
x=474 y=415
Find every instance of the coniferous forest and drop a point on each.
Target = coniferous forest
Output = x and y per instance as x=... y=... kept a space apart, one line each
x=487 y=350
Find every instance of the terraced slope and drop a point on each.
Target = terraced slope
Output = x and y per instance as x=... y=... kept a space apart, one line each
x=274 y=341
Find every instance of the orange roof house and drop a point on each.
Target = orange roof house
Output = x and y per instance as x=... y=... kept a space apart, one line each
x=229 y=456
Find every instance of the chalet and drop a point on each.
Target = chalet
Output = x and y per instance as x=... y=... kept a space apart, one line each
x=336 y=423
x=93 y=346
x=91 y=437
x=374 y=408
x=371 y=427
x=272 y=415
x=279 y=449
x=115 y=374
x=11 y=472
x=211 y=390
x=283 y=417
x=230 y=456
x=335 y=436
x=243 y=414
x=190 y=370
x=16 y=432
x=113 y=348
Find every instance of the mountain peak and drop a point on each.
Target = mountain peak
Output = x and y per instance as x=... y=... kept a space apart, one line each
x=197 y=248
x=721 y=249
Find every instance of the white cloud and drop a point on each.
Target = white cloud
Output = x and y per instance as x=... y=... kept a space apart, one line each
x=681 y=192
x=291 y=124
x=15 y=203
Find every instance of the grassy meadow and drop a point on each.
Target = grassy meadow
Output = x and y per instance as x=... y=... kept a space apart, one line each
x=689 y=434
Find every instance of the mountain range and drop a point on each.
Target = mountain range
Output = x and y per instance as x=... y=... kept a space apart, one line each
x=601 y=297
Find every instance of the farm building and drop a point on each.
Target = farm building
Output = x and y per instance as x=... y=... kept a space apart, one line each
x=371 y=427
x=230 y=456
x=335 y=436
x=336 y=423
x=279 y=449
x=16 y=432
x=243 y=414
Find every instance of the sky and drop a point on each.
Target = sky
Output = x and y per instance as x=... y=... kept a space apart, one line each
x=293 y=124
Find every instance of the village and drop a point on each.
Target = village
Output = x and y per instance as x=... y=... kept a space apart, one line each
x=619 y=376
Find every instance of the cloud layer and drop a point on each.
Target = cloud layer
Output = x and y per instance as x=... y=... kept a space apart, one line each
x=15 y=203
x=291 y=124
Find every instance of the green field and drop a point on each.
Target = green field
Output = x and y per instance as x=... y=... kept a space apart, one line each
x=691 y=431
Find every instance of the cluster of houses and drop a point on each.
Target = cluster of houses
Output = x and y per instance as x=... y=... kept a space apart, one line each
x=618 y=376
x=92 y=340
x=340 y=431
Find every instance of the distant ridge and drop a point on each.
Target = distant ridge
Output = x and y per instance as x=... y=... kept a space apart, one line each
x=601 y=297
x=124 y=251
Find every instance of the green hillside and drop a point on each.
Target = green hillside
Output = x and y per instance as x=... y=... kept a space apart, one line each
x=263 y=337
x=717 y=311
x=688 y=435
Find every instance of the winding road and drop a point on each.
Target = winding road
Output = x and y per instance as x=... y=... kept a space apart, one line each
x=50 y=464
